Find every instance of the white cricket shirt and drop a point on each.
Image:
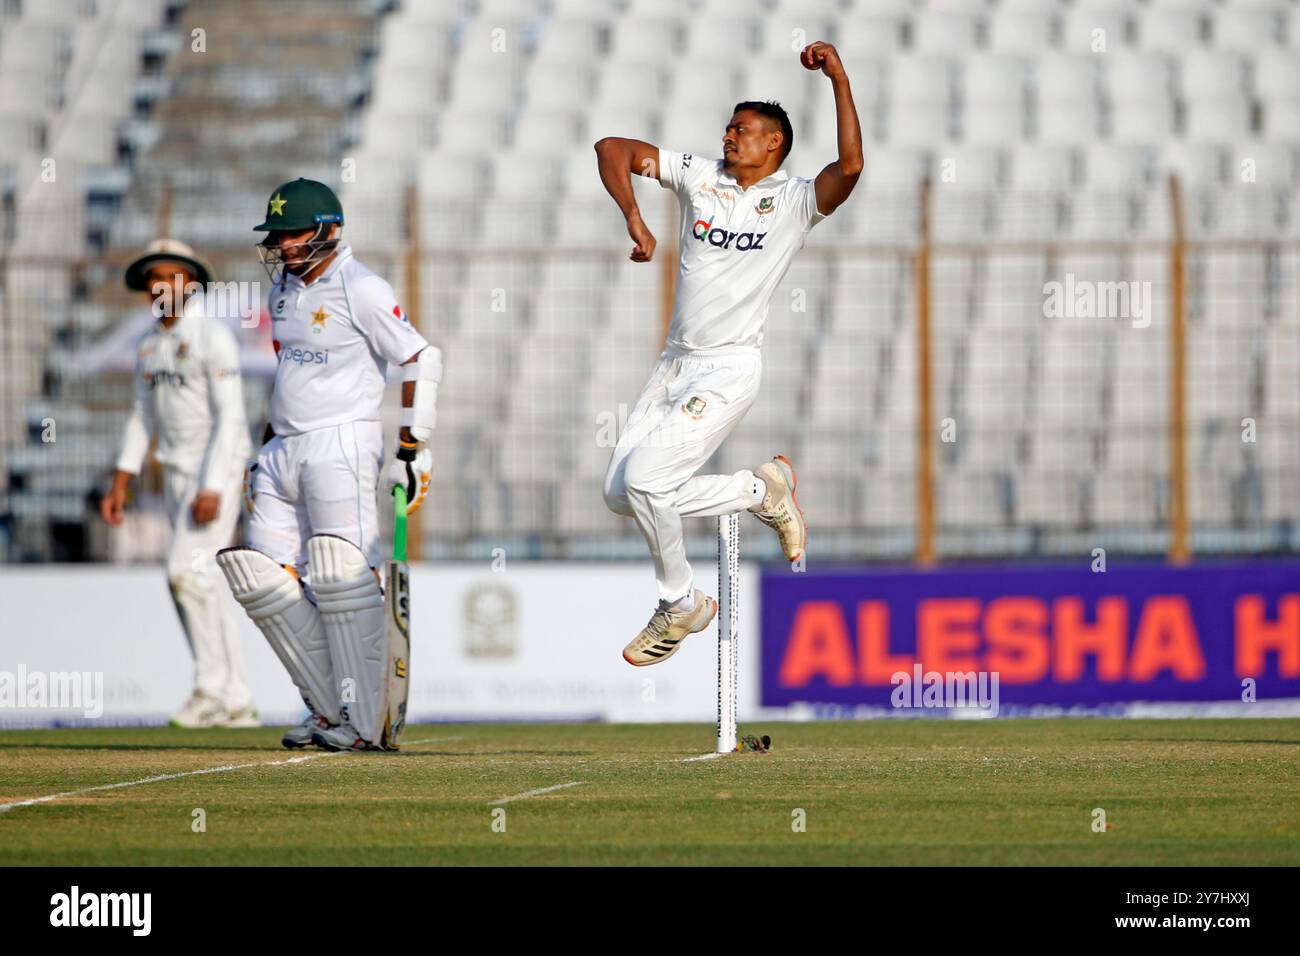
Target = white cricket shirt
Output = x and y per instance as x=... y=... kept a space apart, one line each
x=736 y=247
x=189 y=396
x=334 y=340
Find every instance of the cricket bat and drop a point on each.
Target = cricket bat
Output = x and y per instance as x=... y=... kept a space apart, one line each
x=397 y=621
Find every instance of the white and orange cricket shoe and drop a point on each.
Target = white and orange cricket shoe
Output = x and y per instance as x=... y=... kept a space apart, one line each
x=779 y=509
x=668 y=627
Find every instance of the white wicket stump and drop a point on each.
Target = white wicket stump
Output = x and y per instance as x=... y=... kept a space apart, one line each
x=728 y=628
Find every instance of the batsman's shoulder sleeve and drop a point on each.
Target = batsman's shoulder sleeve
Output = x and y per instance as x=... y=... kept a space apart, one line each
x=380 y=318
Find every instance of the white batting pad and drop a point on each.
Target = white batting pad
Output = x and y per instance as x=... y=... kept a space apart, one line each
x=351 y=606
x=276 y=604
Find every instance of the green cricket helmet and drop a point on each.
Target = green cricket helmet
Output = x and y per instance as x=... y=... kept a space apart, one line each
x=293 y=207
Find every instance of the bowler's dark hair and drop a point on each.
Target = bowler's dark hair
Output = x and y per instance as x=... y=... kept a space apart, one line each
x=776 y=112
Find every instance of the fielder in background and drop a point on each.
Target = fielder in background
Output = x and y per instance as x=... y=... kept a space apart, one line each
x=188 y=396
x=743 y=220
x=308 y=577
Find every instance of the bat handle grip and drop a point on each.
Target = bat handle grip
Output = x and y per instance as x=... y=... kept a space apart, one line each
x=399 y=523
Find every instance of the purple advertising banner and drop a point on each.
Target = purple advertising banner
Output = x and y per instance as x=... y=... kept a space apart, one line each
x=1052 y=635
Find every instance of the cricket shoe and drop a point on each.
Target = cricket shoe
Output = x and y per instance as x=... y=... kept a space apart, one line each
x=668 y=627
x=241 y=717
x=779 y=509
x=342 y=737
x=301 y=735
x=200 y=711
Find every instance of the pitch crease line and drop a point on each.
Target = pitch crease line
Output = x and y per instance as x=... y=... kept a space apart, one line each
x=534 y=793
x=163 y=777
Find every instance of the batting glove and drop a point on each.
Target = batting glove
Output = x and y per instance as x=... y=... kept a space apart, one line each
x=250 y=481
x=412 y=470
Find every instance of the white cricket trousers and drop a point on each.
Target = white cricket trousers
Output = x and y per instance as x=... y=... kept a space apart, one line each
x=324 y=481
x=686 y=410
x=200 y=592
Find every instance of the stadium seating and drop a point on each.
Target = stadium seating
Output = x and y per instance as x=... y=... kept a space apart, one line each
x=1047 y=133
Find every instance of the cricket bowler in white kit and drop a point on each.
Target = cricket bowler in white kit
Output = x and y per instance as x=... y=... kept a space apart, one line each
x=308 y=576
x=188 y=396
x=743 y=220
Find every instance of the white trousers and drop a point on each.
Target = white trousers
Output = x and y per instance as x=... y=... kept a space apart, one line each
x=324 y=481
x=686 y=410
x=199 y=590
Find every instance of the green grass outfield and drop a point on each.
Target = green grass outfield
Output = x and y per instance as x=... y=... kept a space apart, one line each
x=1014 y=792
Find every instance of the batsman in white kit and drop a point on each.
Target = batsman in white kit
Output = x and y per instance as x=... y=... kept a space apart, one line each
x=743 y=220
x=309 y=576
x=188 y=398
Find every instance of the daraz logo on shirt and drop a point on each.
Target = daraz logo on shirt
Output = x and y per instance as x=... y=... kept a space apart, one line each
x=723 y=238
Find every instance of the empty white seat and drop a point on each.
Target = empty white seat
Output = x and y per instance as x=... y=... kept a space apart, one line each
x=1127 y=498
x=412 y=43
x=920 y=78
x=782 y=35
x=993 y=124
x=1146 y=120
x=1281 y=118
x=1275 y=73
x=888 y=499
x=1068 y=122
x=1097 y=29
x=470 y=131
x=1028 y=32
x=973 y=498
x=939 y=31
x=1066 y=76
x=472 y=92
x=543 y=130
x=1263 y=163
x=632 y=122
x=1044 y=168
x=557 y=85
x=434 y=181
x=772 y=78
x=716 y=78
x=1224 y=120
x=491 y=48
x=1137 y=75
x=1141 y=446
x=894 y=167
x=1245 y=30
x=919 y=124
x=991 y=78
x=1050 y=498
x=568 y=40
x=702 y=34
x=1212 y=74
x=1117 y=166
x=1197 y=165
x=1170 y=30
x=865 y=33
x=698 y=131
x=644 y=39
x=1282 y=373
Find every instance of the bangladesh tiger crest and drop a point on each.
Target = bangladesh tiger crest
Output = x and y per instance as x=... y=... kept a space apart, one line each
x=765 y=205
x=695 y=407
